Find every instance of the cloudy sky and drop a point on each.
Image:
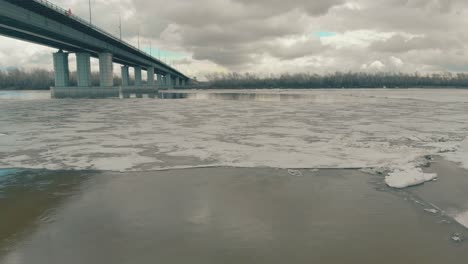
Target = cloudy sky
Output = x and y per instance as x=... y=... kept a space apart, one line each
x=275 y=36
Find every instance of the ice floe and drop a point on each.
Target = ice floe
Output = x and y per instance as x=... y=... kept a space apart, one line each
x=460 y=154
x=409 y=176
x=337 y=129
x=296 y=173
x=432 y=211
x=457 y=238
x=462 y=218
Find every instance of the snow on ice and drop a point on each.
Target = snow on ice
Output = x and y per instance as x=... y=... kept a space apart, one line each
x=406 y=177
x=389 y=129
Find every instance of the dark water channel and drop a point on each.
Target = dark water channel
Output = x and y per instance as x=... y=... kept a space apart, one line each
x=217 y=215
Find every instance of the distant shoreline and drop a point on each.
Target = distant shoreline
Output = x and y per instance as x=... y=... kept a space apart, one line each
x=273 y=88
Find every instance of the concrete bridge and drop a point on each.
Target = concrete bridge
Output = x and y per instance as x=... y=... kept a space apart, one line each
x=44 y=23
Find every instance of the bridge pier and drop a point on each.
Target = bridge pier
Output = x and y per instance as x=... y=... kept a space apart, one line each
x=61 y=69
x=150 y=74
x=106 y=75
x=137 y=76
x=84 y=89
x=177 y=84
x=125 y=75
x=138 y=89
x=169 y=82
x=164 y=81
x=83 y=69
x=159 y=81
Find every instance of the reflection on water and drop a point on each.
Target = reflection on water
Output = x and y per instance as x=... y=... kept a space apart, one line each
x=260 y=96
x=28 y=198
x=206 y=95
x=24 y=95
x=222 y=215
x=273 y=96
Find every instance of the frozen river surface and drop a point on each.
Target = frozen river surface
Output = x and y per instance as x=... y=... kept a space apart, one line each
x=393 y=129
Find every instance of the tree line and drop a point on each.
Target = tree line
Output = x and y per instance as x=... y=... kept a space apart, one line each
x=38 y=79
x=337 y=80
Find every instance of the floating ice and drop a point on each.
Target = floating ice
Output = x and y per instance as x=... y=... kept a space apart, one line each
x=459 y=155
x=458 y=238
x=296 y=173
x=406 y=177
x=336 y=129
x=432 y=211
x=462 y=219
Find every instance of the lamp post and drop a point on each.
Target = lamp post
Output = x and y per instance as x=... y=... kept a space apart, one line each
x=120 y=26
x=90 y=15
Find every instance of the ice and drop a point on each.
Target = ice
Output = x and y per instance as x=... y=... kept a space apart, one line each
x=391 y=130
x=296 y=173
x=462 y=219
x=407 y=177
x=459 y=155
x=432 y=211
x=457 y=238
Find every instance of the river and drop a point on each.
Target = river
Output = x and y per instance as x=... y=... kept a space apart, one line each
x=270 y=176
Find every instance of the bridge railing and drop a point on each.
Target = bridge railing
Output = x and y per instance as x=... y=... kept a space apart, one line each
x=100 y=30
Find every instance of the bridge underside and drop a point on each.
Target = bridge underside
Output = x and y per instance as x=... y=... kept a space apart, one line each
x=40 y=22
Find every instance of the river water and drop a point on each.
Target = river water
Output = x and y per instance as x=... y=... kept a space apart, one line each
x=233 y=177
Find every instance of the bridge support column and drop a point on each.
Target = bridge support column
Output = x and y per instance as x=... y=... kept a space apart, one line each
x=83 y=69
x=183 y=83
x=61 y=70
x=169 y=81
x=150 y=73
x=137 y=76
x=125 y=76
x=158 y=80
x=106 y=75
x=177 y=83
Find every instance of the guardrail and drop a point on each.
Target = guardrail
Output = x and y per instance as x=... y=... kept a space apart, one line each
x=100 y=30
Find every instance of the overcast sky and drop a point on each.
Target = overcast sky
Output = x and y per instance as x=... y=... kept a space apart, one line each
x=275 y=36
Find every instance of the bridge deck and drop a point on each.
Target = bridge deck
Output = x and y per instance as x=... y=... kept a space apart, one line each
x=42 y=22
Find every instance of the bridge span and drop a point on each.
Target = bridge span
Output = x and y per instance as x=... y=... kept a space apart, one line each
x=42 y=22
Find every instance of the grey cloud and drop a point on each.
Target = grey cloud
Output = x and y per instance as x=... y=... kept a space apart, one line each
x=399 y=44
x=232 y=32
x=314 y=8
x=301 y=48
x=230 y=57
x=246 y=34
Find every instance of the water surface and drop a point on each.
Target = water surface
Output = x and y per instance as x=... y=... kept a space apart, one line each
x=244 y=208
x=219 y=215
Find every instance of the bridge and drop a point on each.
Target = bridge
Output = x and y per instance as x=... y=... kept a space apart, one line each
x=44 y=23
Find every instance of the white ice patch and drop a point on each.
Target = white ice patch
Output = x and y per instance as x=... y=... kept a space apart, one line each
x=335 y=129
x=406 y=177
x=296 y=173
x=460 y=155
x=432 y=211
x=457 y=238
x=462 y=219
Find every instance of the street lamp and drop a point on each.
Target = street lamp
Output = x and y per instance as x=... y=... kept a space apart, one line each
x=90 y=16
